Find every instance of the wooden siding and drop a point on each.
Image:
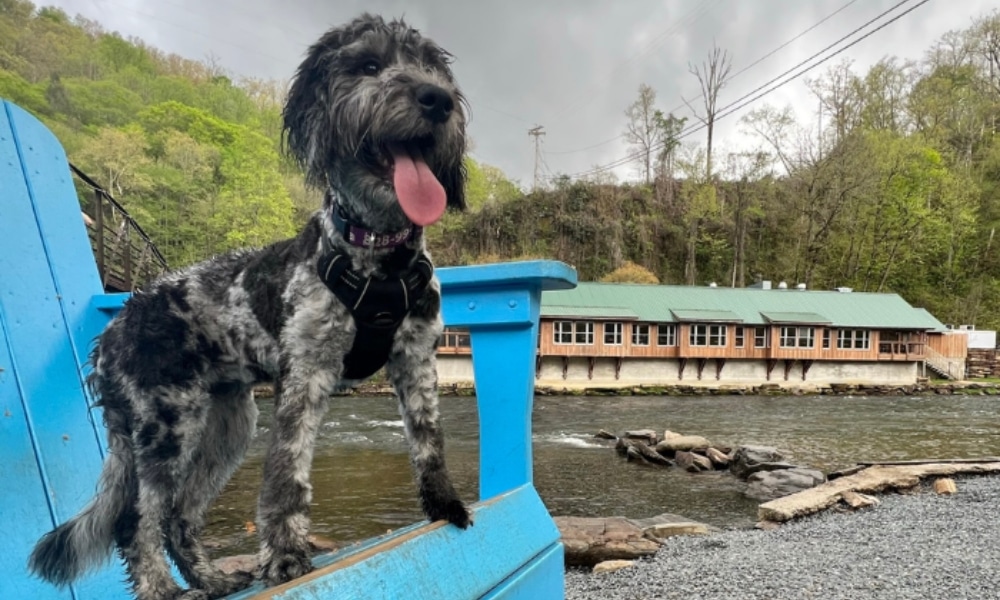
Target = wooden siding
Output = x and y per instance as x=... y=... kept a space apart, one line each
x=548 y=347
x=950 y=345
x=897 y=346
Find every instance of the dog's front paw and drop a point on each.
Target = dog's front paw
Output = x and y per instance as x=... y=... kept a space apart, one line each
x=284 y=567
x=193 y=595
x=452 y=511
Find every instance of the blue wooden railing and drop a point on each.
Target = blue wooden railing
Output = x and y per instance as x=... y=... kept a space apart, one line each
x=52 y=443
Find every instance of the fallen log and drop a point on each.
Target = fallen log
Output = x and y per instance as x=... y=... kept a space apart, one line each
x=873 y=479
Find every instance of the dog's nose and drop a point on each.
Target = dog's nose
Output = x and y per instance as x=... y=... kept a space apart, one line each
x=435 y=102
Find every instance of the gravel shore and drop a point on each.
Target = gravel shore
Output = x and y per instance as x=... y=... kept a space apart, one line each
x=919 y=545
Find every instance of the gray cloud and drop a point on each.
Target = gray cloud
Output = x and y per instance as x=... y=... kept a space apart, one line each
x=570 y=65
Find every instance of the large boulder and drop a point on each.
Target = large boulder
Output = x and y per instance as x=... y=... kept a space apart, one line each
x=682 y=443
x=768 y=485
x=718 y=458
x=646 y=435
x=748 y=460
x=668 y=525
x=636 y=451
x=692 y=463
x=588 y=541
x=604 y=434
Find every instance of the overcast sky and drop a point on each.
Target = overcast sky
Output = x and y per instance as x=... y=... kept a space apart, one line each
x=572 y=66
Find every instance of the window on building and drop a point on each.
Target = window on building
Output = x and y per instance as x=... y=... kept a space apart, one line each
x=666 y=334
x=797 y=337
x=562 y=332
x=717 y=335
x=853 y=339
x=826 y=339
x=739 y=337
x=613 y=334
x=573 y=332
x=761 y=337
x=640 y=334
x=708 y=335
x=699 y=335
x=454 y=338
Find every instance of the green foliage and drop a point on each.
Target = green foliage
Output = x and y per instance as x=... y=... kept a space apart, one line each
x=29 y=96
x=630 y=273
x=177 y=143
x=899 y=190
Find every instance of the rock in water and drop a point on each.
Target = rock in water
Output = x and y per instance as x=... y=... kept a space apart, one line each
x=682 y=443
x=768 y=485
x=747 y=459
x=636 y=450
x=691 y=462
x=718 y=458
x=646 y=435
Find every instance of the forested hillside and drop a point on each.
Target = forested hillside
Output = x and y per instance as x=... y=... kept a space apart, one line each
x=895 y=188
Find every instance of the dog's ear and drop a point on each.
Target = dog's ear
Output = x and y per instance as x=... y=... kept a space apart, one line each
x=303 y=115
x=453 y=182
x=307 y=119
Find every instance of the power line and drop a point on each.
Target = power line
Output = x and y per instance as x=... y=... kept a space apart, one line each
x=733 y=76
x=750 y=97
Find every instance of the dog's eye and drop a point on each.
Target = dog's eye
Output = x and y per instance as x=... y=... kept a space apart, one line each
x=371 y=67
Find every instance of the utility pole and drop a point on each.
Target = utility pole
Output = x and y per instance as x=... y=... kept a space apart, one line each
x=537 y=133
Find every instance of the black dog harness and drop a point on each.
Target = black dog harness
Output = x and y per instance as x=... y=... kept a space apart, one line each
x=378 y=306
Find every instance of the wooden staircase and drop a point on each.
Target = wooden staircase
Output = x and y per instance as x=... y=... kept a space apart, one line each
x=949 y=368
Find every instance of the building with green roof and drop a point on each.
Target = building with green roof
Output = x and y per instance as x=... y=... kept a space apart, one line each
x=601 y=334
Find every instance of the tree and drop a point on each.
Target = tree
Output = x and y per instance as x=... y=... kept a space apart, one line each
x=631 y=273
x=838 y=92
x=643 y=131
x=118 y=156
x=670 y=128
x=745 y=174
x=486 y=184
x=712 y=75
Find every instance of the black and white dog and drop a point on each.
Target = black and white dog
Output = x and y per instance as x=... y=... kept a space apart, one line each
x=375 y=117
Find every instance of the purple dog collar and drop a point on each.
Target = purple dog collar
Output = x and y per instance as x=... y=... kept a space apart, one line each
x=366 y=238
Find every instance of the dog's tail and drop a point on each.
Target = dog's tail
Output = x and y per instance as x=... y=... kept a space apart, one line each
x=86 y=540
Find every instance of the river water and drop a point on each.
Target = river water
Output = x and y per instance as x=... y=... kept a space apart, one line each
x=363 y=485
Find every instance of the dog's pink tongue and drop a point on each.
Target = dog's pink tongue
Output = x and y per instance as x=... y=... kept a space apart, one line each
x=420 y=193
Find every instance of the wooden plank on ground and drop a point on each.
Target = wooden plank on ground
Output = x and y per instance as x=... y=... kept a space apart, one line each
x=872 y=479
x=930 y=461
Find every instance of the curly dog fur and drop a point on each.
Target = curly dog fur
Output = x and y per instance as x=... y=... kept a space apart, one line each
x=173 y=371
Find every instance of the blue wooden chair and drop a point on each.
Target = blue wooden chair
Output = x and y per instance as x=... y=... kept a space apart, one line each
x=52 y=443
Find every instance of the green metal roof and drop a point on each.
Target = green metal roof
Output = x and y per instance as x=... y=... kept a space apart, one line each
x=590 y=312
x=703 y=316
x=795 y=317
x=659 y=303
